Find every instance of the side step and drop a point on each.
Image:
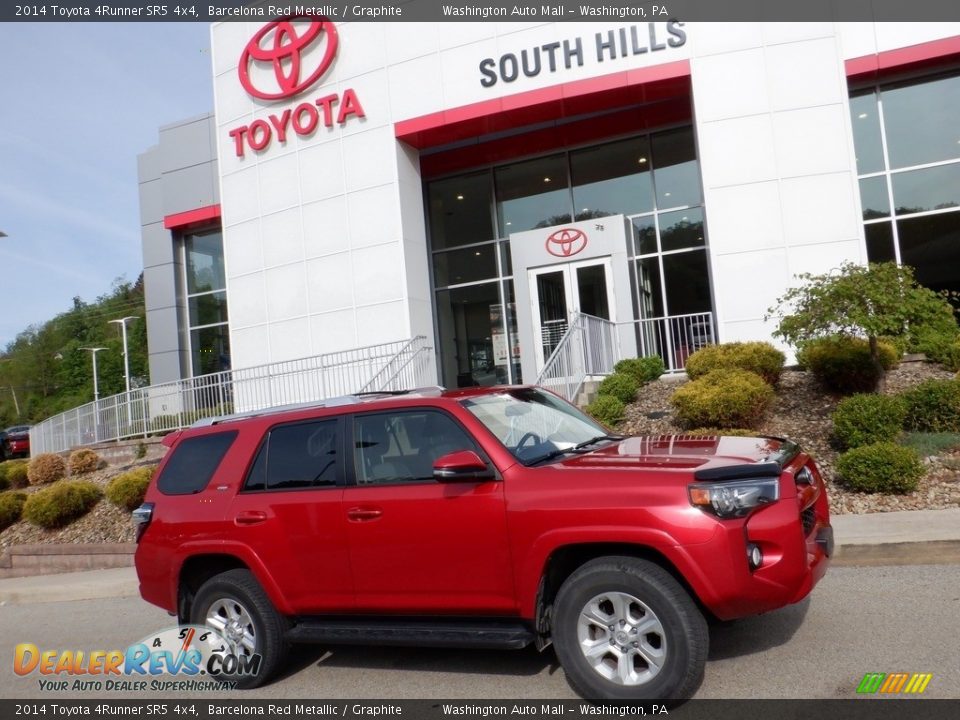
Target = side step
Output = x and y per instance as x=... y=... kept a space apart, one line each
x=427 y=632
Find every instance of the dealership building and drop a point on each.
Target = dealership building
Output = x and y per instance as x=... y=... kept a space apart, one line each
x=476 y=185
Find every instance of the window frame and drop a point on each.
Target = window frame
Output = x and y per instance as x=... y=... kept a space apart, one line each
x=340 y=478
x=352 y=474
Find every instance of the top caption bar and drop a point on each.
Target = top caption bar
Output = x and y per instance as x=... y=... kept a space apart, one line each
x=454 y=11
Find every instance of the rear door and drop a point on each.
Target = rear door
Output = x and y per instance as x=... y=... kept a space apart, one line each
x=417 y=545
x=289 y=513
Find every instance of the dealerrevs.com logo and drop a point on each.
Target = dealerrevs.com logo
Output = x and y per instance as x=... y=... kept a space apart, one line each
x=298 y=57
x=282 y=60
x=191 y=657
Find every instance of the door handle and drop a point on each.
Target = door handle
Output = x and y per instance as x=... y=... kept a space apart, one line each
x=250 y=517
x=364 y=514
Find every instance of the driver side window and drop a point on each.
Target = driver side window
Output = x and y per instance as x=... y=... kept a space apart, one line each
x=402 y=447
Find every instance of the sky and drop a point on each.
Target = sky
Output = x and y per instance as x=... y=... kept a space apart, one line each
x=78 y=103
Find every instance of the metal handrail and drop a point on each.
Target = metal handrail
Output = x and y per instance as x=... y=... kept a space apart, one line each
x=172 y=406
x=589 y=348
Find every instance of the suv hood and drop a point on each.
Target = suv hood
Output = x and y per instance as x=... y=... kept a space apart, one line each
x=707 y=455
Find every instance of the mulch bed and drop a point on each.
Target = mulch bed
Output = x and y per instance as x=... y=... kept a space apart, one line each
x=802 y=412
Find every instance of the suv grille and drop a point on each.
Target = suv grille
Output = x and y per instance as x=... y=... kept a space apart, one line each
x=809 y=518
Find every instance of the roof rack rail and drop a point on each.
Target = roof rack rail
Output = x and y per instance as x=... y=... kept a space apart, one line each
x=427 y=391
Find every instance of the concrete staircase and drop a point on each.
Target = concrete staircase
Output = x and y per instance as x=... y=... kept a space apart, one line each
x=588 y=393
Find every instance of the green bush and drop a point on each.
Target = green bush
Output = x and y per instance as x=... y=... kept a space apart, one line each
x=866 y=419
x=4 y=483
x=843 y=364
x=881 y=467
x=46 y=468
x=644 y=370
x=728 y=398
x=61 y=504
x=939 y=340
x=11 y=508
x=607 y=409
x=127 y=490
x=761 y=358
x=83 y=461
x=621 y=386
x=15 y=472
x=933 y=406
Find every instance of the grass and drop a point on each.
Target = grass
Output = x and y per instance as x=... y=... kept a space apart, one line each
x=928 y=444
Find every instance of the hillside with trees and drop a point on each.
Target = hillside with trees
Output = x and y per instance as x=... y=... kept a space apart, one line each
x=45 y=371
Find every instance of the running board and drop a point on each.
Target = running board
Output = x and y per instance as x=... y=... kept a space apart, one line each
x=440 y=632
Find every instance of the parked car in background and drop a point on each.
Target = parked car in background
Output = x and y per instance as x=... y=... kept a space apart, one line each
x=17 y=441
x=5 y=451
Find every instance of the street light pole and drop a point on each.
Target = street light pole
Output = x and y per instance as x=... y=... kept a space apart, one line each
x=93 y=353
x=126 y=356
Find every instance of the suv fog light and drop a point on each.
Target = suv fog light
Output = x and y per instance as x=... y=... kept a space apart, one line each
x=754 y=556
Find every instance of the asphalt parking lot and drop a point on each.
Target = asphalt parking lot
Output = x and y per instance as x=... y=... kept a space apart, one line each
x=858 y=620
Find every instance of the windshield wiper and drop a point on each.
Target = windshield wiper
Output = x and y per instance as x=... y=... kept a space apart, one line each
x=579 y=448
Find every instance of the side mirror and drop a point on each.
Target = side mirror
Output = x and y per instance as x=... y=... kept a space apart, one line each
x=461 y=466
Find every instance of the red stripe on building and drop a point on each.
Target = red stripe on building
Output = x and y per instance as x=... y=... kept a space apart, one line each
x=202 y=215
x=928 y=54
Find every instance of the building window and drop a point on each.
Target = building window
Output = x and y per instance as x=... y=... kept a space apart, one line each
x=908 y=159
x=653 y=179
x=206 y=302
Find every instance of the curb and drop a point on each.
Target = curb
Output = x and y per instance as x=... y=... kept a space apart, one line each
x=87 y=585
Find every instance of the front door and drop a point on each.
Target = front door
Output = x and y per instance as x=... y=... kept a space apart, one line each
x=418 y=545
x=558 y=291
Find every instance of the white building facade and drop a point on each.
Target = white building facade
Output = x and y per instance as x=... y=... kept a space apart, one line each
x=476 y=183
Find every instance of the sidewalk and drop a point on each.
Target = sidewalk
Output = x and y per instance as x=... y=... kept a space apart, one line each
x=900 y=538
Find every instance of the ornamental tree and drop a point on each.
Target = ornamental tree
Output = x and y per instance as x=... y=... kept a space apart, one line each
x=873 y=301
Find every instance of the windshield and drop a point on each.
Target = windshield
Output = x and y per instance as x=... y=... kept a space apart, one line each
x=535 y=425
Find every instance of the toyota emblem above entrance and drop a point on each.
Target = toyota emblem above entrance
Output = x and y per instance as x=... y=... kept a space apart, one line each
x=284 y=51
x=566 y=242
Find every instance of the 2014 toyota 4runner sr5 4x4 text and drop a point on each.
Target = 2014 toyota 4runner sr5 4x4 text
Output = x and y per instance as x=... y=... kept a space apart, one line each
x=484 y=517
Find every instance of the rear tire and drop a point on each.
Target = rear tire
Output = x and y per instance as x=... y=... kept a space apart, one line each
x=625 y=629
x=234 y=604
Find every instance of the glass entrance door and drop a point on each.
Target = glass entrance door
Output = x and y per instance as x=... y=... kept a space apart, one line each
x=558 y=291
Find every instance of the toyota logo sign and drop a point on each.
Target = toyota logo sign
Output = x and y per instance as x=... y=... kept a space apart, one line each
x=282 y=46
x=566 y=242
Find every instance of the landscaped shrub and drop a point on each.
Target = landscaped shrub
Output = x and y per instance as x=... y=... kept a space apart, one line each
x=644 y=370
x=127 y=490
x=46 y=468
x=83 y=461
x=727 y=398
x=843 y=363
x=866 y=419
x=16 y=473
x=4 y=483
x=758 y=357
x=939 y=340
x=61 y=504
x=933 y=406
x=621 y=386
x=881 y=467
x=607 y=409
x=11 y=507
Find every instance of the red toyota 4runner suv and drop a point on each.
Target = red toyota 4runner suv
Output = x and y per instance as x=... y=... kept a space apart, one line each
x=485 y=517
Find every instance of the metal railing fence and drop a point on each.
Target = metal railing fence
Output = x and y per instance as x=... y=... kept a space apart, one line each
x=590 y=347
x=674 y=338
x=162 y=408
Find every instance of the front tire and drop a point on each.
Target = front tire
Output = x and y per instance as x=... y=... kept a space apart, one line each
x=625 y=629
x=234 y=604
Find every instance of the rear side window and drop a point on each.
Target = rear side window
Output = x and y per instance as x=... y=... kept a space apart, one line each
x=193 y=463
x=297 y=456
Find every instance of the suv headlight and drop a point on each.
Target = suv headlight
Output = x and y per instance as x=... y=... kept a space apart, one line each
x=736 y=498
